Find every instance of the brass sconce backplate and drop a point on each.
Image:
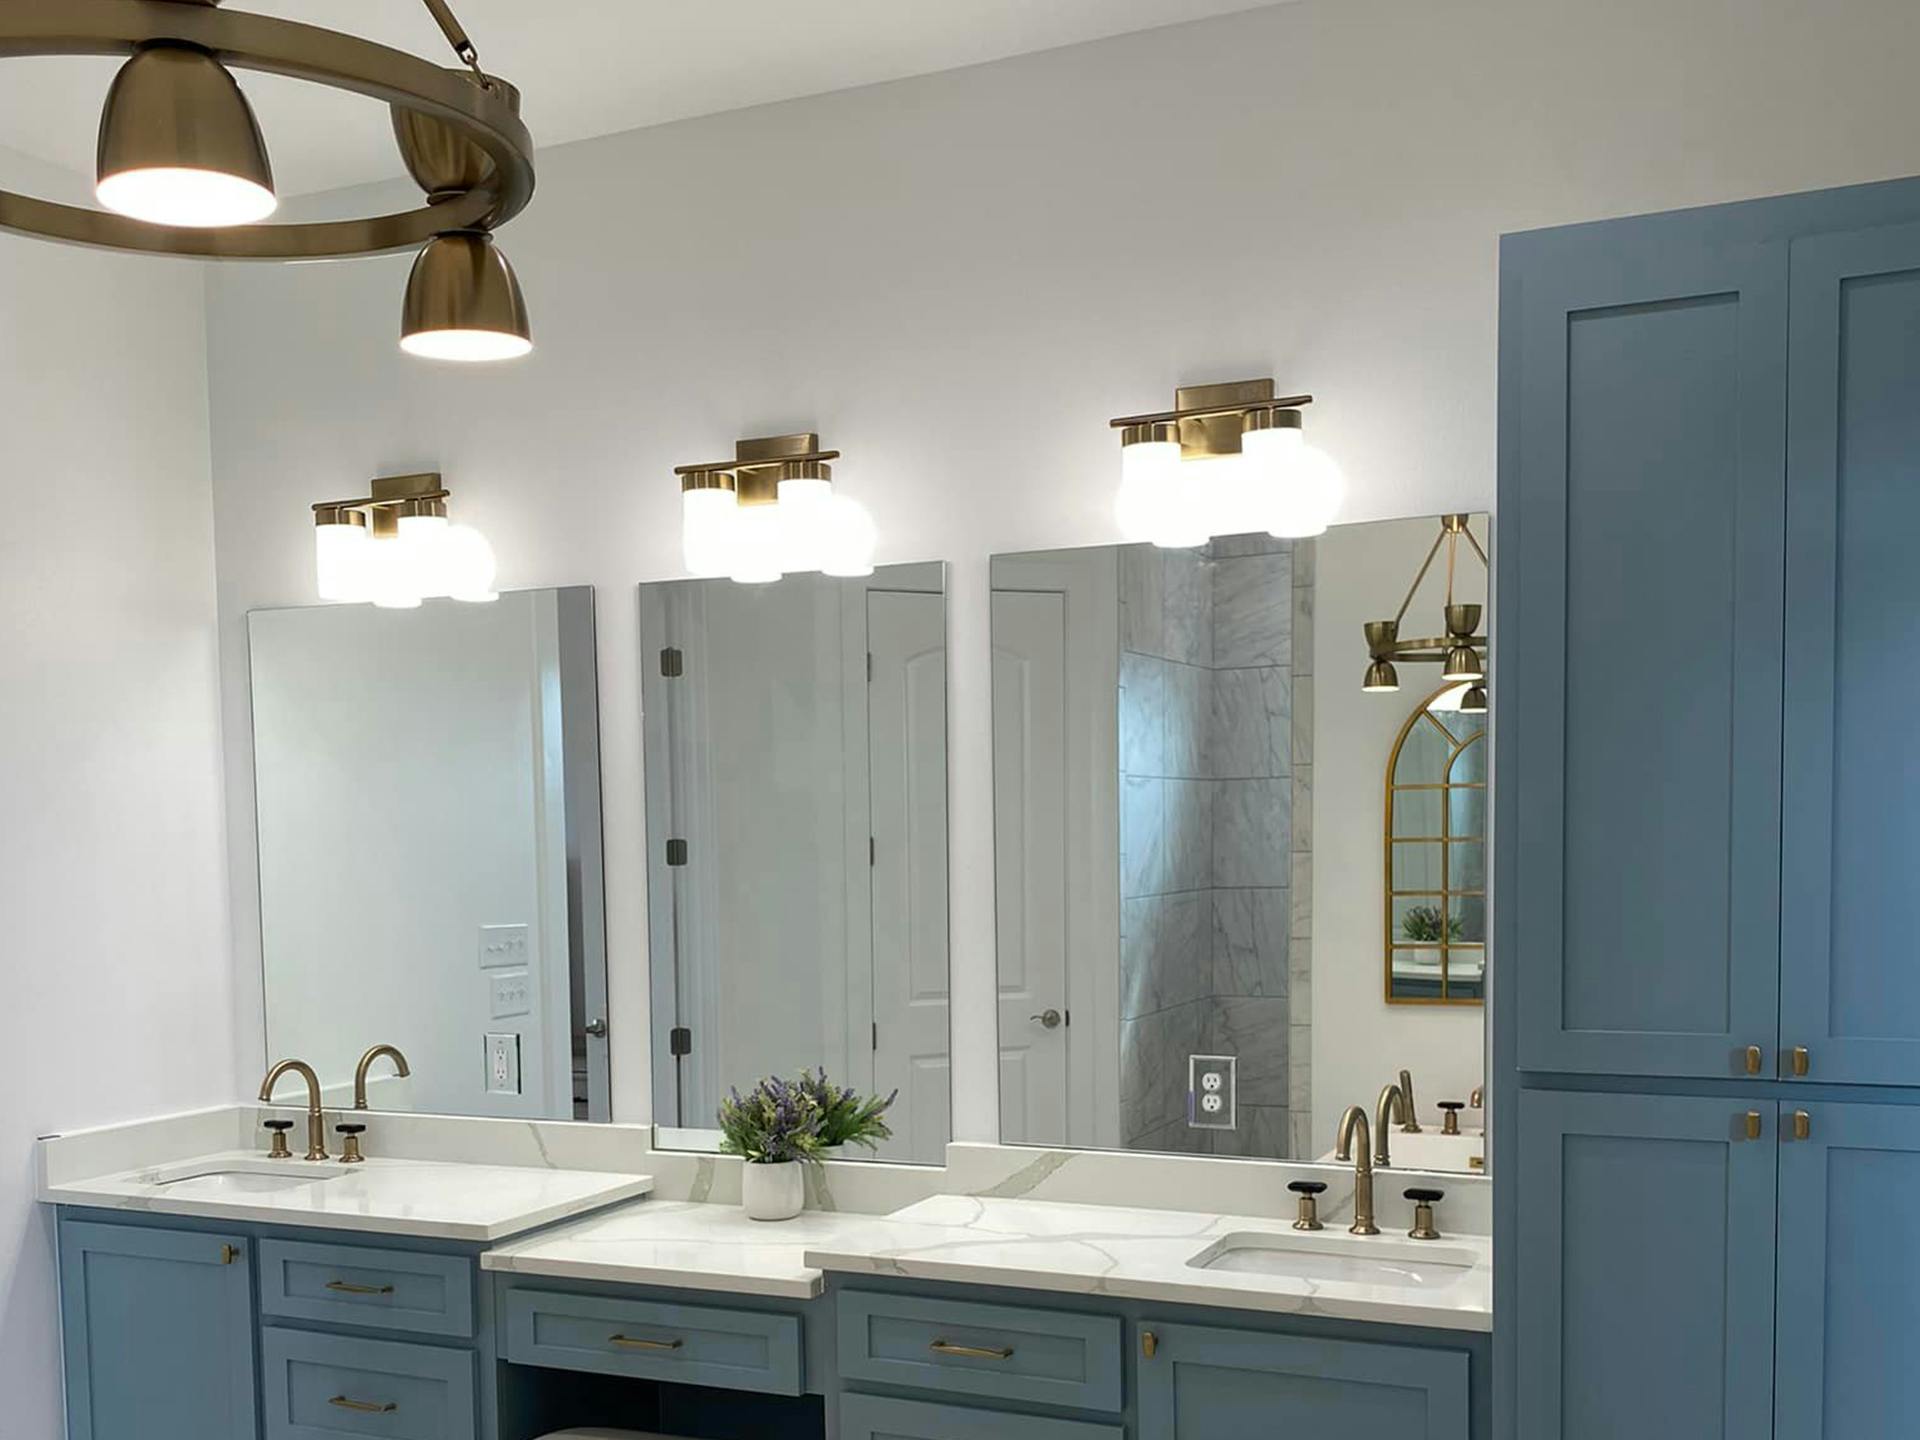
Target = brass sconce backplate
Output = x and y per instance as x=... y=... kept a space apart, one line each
x=1204 y=436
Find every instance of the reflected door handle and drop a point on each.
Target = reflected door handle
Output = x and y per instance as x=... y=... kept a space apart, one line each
x=1049 y=1018
x=596 y=1028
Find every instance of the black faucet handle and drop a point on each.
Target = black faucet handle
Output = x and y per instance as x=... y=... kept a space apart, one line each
x=1426 y=1197
x=346 y=1128
x=1452 y=1104
x=1423 y=1203
x=1308 y=1187
x=280 y=1125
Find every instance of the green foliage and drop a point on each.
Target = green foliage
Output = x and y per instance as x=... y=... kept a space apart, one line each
x=772 y=1123
x=846 y=1116
x=1424 y=924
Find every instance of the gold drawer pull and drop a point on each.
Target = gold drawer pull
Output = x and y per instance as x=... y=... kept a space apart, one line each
x=1802 y=1125
x=1754 y=1059
x=365 y=1407
x=229 y=1254
x=1753 y=1124
x=633 y=1344
x=1802 y=1062
x=1149 y=1344
x=971 y=1352
x=346 y=1288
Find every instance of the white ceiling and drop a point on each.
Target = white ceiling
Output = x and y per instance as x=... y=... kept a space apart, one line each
x=595 y=67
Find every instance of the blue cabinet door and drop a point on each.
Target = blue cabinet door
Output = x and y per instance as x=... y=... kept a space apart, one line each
x=1202 y=1383
x=1645 y=1253
x=1849 y=1308
x=158 y=1333
x=1850 y=984
x=1641 y=571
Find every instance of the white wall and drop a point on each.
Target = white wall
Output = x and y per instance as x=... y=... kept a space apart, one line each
x=118 y=994
x=1359 y=1041
x=957 y=279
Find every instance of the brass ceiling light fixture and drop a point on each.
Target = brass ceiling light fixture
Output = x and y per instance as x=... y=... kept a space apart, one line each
x=395 y=547
x=1226 y=460
x=183 y=169
x=1460 y=652
x=772 y=511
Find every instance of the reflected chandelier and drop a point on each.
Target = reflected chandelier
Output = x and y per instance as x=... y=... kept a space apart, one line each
x=182 y=168
x=1460 y=653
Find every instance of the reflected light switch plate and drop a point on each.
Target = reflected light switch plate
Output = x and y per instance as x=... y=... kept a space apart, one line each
x=511 y=994
x=503 y=947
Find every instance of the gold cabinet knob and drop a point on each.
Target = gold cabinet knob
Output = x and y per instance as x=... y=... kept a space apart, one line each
x=1149 y=1344
x=1802 y=1125
x=1753 y=1125
x=1755 y=1059
x=1800 y=1060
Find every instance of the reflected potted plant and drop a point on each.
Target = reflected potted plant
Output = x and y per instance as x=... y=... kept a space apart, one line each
x=1424 y=926
x=775 y=1128
x=846 y=1116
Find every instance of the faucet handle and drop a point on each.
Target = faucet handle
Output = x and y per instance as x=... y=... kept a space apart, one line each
x=1309 y=1192
x=350 y=1148
x=1423 y=1203
x=278 y=1150
x=1451 y=1125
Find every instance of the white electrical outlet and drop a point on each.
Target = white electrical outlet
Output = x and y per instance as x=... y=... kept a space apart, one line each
x=503 y=1064
x=503 y=947
x=1212 y=1092
x=511 y=993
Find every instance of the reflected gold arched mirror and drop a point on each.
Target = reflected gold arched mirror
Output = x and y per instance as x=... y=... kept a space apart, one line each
x=1436 y=855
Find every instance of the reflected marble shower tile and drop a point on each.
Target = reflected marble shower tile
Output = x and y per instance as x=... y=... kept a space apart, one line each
x=1255 y=1031
x=1143 y=714
x=1303 y=719
x=1250 y=942
x=1252 y=723
x=1143 y=846
x=1251 y=842
x=1302 y=623
x=1165 y=952
x=1301 y=1125
x=1261 y=1132
x=1189 y=834
x=1306 y=557
x=1301 y=890
x=1187 y=583
x=1226 y=547
x=1189 y=729
x=1299 y=1062
x=1301 y=814
x=1140 y=937
x=1252 y=611
x=1143 y=627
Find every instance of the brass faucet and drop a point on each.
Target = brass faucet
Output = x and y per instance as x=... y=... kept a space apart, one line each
x=1478 y=1099
x=1409 y=1122
x=1355 y=1120
x=400 y=1068
x=1392 y=1106
x=316 y=1123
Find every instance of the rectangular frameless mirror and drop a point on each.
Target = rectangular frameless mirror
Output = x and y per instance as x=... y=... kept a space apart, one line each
x=1240 y=884
x=796 y=763
x=428 y=792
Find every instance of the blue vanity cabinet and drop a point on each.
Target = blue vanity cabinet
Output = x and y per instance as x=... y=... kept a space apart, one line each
x=1641 y=576
x=1645 y=1260
x=1202 y=1382
x=1850 y=987
x=1849 y=1307
x=158 y=1334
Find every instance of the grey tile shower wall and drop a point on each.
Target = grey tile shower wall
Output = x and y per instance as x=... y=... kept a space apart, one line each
x=1213 y=837
x=1300 y=1144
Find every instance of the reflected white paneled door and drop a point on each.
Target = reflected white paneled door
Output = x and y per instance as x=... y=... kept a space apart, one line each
x=907 y=768
x=1030 y=861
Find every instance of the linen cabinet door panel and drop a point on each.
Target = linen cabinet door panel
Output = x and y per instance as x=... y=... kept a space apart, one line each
x=1645 y=1251
x=1642 y=531
x=1849 y=1304
x=1203 y=1383
x=1850 y=962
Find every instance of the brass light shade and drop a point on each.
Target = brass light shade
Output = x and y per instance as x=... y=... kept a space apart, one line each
x=1463 y=663
x=179 y=144
x=463 y=302
x=1382 y=678
x=1474 y=702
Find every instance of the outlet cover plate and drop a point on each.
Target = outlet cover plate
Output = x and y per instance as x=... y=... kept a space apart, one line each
x=503 y=1063
x=1213 y=1092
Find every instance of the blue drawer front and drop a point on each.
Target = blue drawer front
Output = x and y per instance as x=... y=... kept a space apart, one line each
x=1050 y=1356
x=868 y=1417
x=381 y=1289
x=691 y=1344
x=321 y=1387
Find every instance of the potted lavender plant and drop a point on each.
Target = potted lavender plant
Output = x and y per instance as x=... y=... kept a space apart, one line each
x=775 y=1128
x=846 y=1116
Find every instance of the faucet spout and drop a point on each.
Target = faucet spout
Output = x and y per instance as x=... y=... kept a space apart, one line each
x=400 y=1068
x=316 y=1122
x=1392 y=1106
x=1354 y=1142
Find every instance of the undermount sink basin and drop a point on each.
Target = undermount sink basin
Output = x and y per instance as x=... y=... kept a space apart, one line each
x=1397 y=1264
x=246 y=1177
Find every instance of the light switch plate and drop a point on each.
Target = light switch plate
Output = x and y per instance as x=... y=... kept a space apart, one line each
x=503 y=1064
x=503 y=947
x=1213 y=1092
x=511 y=994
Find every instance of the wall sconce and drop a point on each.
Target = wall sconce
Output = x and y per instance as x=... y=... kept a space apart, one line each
x=395 y=547
x=772 y=511
x=1226 y=460
x=1460 y=653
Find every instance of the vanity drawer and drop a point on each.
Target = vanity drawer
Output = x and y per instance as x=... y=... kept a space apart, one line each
x=692 y=1344
x=320 y=1387
x=380 y=1289
x=1052 y=1356
x=868 y=1417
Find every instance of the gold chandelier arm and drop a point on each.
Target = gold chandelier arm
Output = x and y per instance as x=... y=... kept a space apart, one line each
x=1414 y=589
x=1476 y=547
x=450 y=26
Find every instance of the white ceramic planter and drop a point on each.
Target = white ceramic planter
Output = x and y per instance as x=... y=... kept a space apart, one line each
x=773 y=1192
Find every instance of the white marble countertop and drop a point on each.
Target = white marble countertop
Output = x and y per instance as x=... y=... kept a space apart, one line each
x=1145 y=1255
x=445 y=1201
x=685 y=1245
